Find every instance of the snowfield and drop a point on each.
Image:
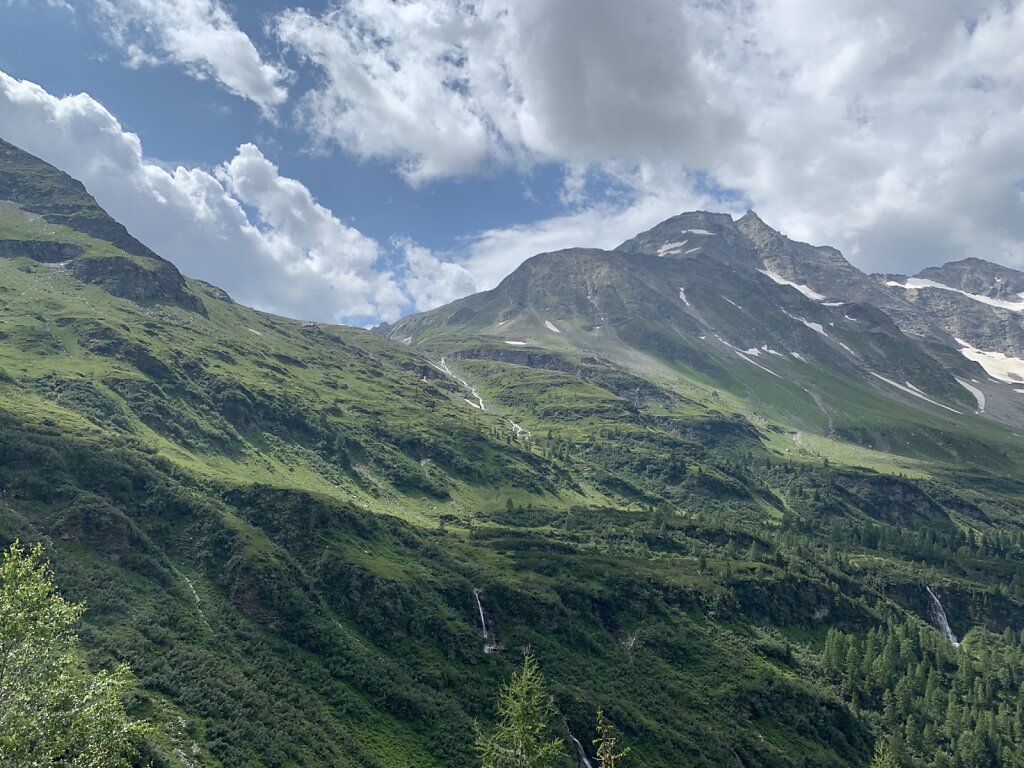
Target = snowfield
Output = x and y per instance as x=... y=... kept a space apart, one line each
x=670 y=248
x=998 y=365
x=775 y=277
x=916 y=284
x=913 y=391
x=978 y=394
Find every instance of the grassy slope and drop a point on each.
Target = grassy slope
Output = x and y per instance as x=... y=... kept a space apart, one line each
x=212 y=483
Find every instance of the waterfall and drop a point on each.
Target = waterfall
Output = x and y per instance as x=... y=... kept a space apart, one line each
x=491 y=644
x=938 y=614
x=584 y=760
x=443 y=367
x=483 y=621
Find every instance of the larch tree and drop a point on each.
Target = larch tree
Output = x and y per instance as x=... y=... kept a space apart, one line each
x=523 y=736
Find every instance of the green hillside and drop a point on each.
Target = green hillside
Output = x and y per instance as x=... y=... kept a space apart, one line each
x=280 y=526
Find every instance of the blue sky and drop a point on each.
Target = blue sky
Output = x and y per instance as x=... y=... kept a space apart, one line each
x=357 y=160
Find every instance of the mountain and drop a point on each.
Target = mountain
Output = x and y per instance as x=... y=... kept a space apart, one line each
x=705 y=300
x=711 y=502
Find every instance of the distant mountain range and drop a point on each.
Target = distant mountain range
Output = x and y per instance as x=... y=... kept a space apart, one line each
x=700 y=291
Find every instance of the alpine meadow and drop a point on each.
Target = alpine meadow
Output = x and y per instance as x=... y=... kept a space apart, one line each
x=737 y=534
x=469 y=384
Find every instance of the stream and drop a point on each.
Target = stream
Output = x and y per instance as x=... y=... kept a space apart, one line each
x=443 y=367
x=938 y=615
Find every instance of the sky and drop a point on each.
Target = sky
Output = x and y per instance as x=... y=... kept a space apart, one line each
x=359 y=160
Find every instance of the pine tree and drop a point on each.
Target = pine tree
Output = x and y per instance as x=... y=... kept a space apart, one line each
x=884 y=757
x=522 y=737
x=53 y=711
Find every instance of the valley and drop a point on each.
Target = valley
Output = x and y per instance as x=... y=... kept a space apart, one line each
x=759 y=507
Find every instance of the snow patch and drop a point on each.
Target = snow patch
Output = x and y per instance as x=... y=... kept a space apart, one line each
x=692 y=250
x=253 y=330
x=917 y=283
x=733 y=303
x=846 y=348
x=775 y=277
x=516 y=343
x=771 y=351
x=998 y=365
x=696 y=232
x=682 y=296
x=817 y=327
x=814 y=327
x=551 y=326
x=915 y=392
x=669 y=248
x=743 y=354
x=978 y=394
x=1019 y=391
x=798 y=356
x=832 y=303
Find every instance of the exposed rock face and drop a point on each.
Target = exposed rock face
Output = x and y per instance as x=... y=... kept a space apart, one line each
x=123 y=277
x=43 y=251
x=40 y=188
x=979 y=277
x=37 y=191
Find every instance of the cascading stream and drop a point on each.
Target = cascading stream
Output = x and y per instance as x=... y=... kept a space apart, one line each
x=483 y=621
x=443 y=367
x=584 y=760
x=939 y=618
x=491 y=643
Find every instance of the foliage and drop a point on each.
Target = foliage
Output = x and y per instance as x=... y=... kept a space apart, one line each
x=883 y=757
x=53 y=711
x=522 y=736
x=609 y=754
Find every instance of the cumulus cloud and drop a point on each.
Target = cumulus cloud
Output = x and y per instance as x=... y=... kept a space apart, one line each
x=431 y=281
x=885 y=129
x=446 y=87
x=199 y=35
x=293 y=257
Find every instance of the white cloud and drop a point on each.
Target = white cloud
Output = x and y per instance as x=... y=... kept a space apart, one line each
x=493 y=253
x=446 y=87
x=431 y=281
x=201 y=36
x=295 y=257
x=889 y=130
x=886 y=129
x=61 y=5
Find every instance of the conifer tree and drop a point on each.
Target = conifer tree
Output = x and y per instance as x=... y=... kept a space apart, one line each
x=522 y=737
x=884 y=757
